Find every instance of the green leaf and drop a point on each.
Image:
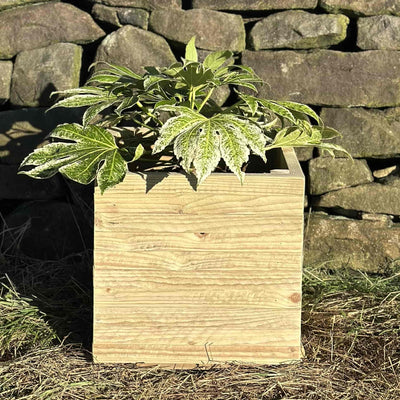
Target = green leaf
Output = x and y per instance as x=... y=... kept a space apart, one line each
x=302 y=108
x=92 y=154
x=194 y=75
x=125 y=104
x=247 y=132
x=251 y=102
x=297 y=137
x=95 y=110
x=190 y=51
x=331 y=148
x=327 y=133
x=208 y=152
x=278 y=109
x=81 y=101
x=82 y=90
x=173 y=69
x=233 y=147
x=216 y=59
x=120 y=70
x=162 y=103
x=185 y=147
x=201 y=141
x=102 y=78
x=176 y=126
x=139 y=151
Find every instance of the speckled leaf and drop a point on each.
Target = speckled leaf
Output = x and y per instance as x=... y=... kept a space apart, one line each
x=92 y=154
x=185 y=147
x=175 y=126
x=95 y=110
x=251 y=134
x=234 y=148
x=302 y=108
x=300 y=137
x=208 y=152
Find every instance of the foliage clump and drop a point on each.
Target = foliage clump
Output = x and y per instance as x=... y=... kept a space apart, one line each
x=174 y=115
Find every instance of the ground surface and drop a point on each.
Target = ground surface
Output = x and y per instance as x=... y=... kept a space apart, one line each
x=351 y=336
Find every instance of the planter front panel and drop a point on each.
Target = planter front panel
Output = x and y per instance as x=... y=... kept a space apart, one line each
x=184 y=277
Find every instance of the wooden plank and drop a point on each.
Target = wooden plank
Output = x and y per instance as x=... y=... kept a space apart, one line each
x=224 y=295
x=229 y=275
x=215 y=185
x=278 y=336
x=279 y=244
x=243 y=265
x=209 y=353
x=260 y=224
x=192 y=318
x=198 y=320
x=194 y=203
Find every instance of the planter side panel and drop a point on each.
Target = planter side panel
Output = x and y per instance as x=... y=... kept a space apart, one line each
x=184 y=277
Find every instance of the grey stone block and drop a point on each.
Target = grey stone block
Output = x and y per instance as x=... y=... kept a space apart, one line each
x=135 y=48
x=214 y=30
x=298 y=30
x=366 y=245
x=39 y=25
x=39 y=72
x=327 y=77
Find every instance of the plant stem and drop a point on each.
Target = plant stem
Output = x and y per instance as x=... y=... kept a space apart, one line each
x=142 y=124
x=151 y=115
x=192 y=97
x=206 y=99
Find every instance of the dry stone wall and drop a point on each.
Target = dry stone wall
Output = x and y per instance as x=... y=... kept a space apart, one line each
x=340 y=56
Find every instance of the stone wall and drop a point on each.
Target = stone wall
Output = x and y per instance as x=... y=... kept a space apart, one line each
x=340 y=56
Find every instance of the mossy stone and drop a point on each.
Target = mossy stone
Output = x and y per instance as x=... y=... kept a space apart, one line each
x=39 y=72
x=6 y=68
x=337 y=242
x=328 y=77
x=135 y=48
x=214 y=30
x=298 y=30
x=40 y=25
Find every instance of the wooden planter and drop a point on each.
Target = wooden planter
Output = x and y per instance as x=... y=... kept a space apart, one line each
x=184 y=277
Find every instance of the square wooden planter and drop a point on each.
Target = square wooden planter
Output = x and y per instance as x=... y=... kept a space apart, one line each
x=184 y=277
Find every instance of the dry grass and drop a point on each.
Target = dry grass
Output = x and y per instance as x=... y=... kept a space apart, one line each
x=351 y=335
x=22 y=325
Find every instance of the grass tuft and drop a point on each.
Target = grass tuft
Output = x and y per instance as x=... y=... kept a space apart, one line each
x=22 y=325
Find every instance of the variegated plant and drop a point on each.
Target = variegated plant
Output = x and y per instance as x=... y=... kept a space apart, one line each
x=176 y=115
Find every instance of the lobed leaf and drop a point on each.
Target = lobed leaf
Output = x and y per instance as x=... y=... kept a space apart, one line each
x=195 y=75
x=175 y=126
x=250 y=132
x=234 y=148
x=95 y=110
x=207 y=155
x=278 y=109
x=93 y=154
x=185 y=147
x=302 y=108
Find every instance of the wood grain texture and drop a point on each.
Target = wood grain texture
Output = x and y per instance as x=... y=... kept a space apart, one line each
x=186 y=277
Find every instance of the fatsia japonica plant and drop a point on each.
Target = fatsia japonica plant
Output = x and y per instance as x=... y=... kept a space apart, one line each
x=173 y=122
